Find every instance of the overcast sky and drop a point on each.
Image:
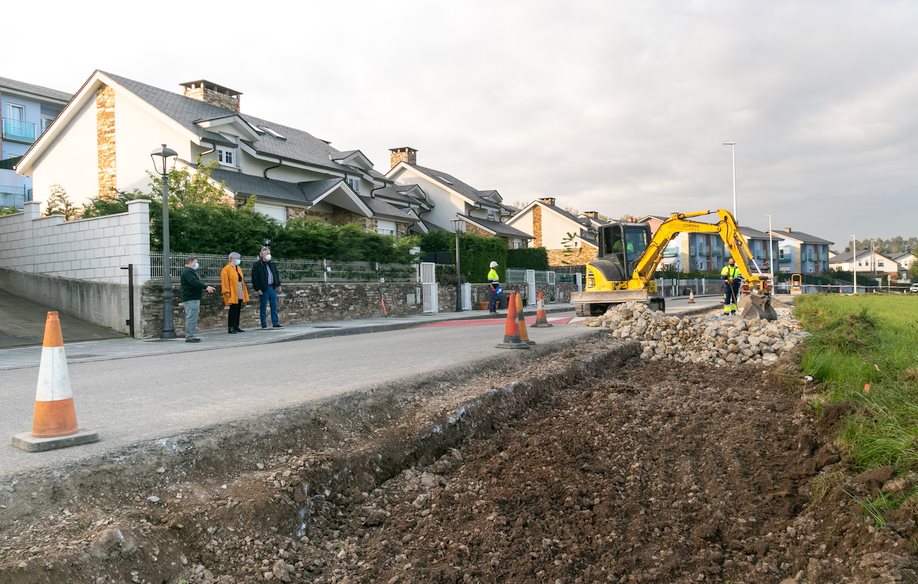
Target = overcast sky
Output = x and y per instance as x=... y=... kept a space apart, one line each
x=615 y=106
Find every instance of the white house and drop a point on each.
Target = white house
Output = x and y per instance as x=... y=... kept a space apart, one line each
x=905 y=260
x=101 y=143
x=450 y=198
x=568 y=239
x=866 y=261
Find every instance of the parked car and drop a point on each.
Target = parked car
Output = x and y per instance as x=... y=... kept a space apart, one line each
x=913 y=289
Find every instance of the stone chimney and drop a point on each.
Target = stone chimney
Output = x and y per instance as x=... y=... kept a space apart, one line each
x=211 y=93
x=591 y=214
x=787 y=230
x=547 y=201
x=402 y=154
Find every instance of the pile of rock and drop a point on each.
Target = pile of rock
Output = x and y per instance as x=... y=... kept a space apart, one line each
x=716 y=339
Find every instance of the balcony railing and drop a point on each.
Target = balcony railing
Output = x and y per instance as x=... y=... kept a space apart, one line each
x=18 y=130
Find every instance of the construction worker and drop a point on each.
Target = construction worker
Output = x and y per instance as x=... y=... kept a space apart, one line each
x=494 y=288
x=732 y=278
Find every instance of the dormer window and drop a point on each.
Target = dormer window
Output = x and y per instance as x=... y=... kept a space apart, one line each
x=227 y=156
x=354 y=183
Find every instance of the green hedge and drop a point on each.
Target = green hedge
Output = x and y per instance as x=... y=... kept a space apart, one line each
x=476 y=252
x=531 y=258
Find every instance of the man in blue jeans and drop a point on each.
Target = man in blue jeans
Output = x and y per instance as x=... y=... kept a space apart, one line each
x=266 y=282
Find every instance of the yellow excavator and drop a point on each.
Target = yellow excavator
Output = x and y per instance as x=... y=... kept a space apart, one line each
x=629 y=248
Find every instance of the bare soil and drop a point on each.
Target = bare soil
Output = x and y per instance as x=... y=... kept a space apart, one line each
x=583 y=464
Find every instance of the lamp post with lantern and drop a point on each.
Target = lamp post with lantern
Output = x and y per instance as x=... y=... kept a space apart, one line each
x=161 y=157
x=458 y=227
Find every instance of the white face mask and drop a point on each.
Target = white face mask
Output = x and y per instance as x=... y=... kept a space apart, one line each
x=268 y=258
x=195 y=266
x=237 y=261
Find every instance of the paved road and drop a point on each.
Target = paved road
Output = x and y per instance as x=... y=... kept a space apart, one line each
x=131 y=399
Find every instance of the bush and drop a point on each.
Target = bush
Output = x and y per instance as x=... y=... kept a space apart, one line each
x=531 y=258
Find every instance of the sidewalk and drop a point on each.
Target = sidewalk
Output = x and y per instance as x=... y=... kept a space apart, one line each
x=124 y=347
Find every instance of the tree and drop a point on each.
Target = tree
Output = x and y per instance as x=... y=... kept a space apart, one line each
x=59 y=203
x=567 y=242
x=913 y=272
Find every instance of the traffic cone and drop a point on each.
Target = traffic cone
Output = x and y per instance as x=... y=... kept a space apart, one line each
x=512 y=331
x=524 y=334
x=691 y=296
x=541 y=319
x=54 y=423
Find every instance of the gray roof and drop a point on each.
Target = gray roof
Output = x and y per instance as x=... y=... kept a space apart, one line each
x=498 y=228
x=899 y=256
x=803 y=237
x=296 y=145
x=384 y=210
x=399 y=193
x=449 y=181
x=845 y=256
x=33 y=90
x=265 y=188
x=756 y=234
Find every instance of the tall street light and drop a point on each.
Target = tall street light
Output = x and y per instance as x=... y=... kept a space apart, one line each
x=854 y=260
x=732 y=146
x=771 y=254
x=161 y=158
x=458 y=227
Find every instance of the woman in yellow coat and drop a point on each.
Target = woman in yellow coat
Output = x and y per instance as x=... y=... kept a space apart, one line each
x=232 y=285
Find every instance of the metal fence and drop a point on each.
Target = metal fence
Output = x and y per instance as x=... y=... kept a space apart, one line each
x=681 y=286
x=518 y=276
x=292 y=270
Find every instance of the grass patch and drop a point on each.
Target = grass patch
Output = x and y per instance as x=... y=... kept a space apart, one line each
x=864 y=350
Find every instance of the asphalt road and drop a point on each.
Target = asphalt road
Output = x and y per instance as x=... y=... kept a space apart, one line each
x=147 y=398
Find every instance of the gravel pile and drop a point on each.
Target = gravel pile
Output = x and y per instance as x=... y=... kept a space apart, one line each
x=717 y=339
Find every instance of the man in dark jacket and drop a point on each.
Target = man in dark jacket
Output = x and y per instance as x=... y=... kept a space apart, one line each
x=266 y=282
x=192 y=289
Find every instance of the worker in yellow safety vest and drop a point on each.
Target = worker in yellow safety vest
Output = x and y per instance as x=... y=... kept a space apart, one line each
x=732 y=278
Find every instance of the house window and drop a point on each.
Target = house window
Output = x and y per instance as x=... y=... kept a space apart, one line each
x=880 y=263
x=226 y=156
x=17 y=112
x=354 y=183
x=385 y=227
x=45 y=122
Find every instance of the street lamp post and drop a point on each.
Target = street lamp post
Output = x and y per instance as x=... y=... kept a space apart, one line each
x=458 y=227
x=161 y=158
x=732 y=146
x=854 y=260
x=771 y=252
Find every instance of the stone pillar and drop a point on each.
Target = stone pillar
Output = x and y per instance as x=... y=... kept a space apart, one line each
x=105 y=141
x=537 y=225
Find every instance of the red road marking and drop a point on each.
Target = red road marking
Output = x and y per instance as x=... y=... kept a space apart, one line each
x=492 y=321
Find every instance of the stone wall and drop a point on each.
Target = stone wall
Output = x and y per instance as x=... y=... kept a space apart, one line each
x=576 y=256
x=537 y=225
x=105 y=141
x=297 y=303
x=317 y=302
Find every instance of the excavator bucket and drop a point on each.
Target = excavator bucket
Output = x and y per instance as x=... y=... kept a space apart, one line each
x=757 y=304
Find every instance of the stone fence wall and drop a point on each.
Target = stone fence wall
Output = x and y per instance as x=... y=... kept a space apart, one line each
x=317 y=302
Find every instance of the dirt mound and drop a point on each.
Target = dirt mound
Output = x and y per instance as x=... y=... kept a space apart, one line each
x=572 y=467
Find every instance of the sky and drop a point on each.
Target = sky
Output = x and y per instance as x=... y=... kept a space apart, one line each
x=613 y=106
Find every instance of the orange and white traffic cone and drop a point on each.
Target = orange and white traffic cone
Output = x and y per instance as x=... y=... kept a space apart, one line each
x=54 y=423
x=512 y=330
x=524 y=334
x=541 y=318
x=691 y=296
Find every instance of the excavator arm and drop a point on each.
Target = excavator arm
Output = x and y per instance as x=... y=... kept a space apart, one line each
x=678 y=223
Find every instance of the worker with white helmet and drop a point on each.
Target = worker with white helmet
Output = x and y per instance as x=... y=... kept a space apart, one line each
x=493 y=288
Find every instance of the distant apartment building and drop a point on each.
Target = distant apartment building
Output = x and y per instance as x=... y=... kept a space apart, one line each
x=26 y=110
x=801 y=253
x=758 y=242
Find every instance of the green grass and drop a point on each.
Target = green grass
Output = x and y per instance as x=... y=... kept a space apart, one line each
x=860 y=340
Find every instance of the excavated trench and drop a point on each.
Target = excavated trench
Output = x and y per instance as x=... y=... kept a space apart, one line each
x=576 y=463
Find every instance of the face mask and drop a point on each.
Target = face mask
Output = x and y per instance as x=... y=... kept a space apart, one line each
x=237 y=261
x=268 y=258
x=195 y=266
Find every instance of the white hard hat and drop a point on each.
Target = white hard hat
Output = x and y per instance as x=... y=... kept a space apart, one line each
x=493 y=264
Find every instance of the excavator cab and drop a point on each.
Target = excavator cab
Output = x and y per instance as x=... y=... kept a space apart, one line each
x=622 y=244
